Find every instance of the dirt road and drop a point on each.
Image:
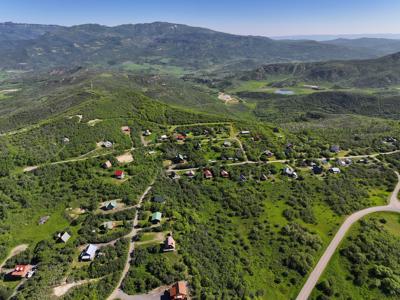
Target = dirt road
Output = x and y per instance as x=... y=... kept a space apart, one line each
x=117 y=291
x=16 y=250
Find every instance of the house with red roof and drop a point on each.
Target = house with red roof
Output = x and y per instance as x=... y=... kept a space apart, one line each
x=207 y=174
x=224 y=174
x=119 y=174
x=21 y=271
x=178 y=291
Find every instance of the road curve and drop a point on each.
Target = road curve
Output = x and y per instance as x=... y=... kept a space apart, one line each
x=115 y=293
x=393 y=206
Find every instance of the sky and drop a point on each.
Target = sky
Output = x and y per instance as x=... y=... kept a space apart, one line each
x=248 y=17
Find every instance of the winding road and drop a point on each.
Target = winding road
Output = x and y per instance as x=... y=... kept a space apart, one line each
x=117 y=291
x=393 y=206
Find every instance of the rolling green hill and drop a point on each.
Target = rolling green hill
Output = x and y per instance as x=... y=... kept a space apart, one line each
x=381 y=72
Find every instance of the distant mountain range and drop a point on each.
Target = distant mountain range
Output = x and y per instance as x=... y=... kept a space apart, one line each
x=381 y=72
x=26 y=46
x=327 y=37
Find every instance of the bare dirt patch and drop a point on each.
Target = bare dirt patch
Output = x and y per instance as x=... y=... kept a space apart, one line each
x=125 y=158
x=94 y=122
x=227 y=99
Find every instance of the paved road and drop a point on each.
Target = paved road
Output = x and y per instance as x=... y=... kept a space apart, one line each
x=393 y=206
x=117 y=291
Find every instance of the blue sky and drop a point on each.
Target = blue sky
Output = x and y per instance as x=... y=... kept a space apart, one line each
x=256 y=17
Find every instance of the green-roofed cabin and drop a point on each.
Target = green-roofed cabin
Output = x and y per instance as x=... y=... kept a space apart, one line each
x=156 y=217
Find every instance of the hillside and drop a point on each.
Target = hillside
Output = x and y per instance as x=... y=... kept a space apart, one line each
x=381 y=72
x=161 y=44
x=377 y=46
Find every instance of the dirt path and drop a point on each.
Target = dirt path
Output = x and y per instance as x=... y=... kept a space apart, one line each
x=80 y=158
x=393 y=206
x=61 y=290
x=16 y=250
x=134 y=231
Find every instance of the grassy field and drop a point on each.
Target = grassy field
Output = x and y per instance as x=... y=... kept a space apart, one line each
x=338 y=275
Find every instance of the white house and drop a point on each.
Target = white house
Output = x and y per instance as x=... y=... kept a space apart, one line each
x=89 y=253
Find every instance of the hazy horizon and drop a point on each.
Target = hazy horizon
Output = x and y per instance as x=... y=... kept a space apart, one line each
x=254 y=17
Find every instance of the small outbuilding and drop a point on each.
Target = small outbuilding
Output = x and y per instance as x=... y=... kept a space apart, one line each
x=334 y=170
x=119 y=174
x=110 y=205
x=317 y=170
x=147 y=132
x=107 y=164
x=335 y=148
x=190 y=173
x=169 y=244
x=64 y=237
x=207 y=174
x=126 y=129
x=156 y=217
x=227 y=144
x=224 y=174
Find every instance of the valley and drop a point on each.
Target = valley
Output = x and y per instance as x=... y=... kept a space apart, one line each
x=237 y=174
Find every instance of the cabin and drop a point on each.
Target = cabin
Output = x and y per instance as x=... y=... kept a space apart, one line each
x=164 y=137
x=227 y=144
x=179 y=159
x=43 y=220
x=207 y=174
x=126 y=129
x=317 y=170
x=169 y=244
x=180 y=137
x=119 y=174
x=190 y=173
x=65 y=140
x=290 y=172
x=158 y=199
x=156 y=217
x=107 y=144
x=178 y=291
x=64 y=237
x=89 y=253
x=224 y=174
x=268 y=153
x=108 y=225
x=21 y=271
x=245 y=132
x=263 y=177
x=110 y=205
x=335 y=149
x=147 y=132
x=107 y=164
x=334 y=170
